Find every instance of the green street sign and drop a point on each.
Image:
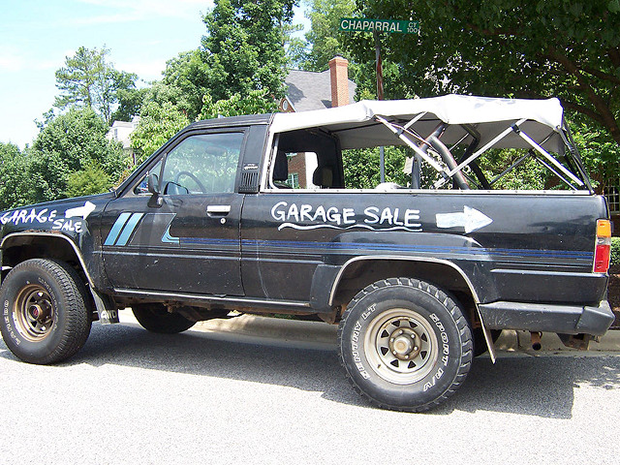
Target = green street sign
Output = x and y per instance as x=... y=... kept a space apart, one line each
x=379 y=25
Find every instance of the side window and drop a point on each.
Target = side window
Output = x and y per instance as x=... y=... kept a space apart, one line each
x=295 y=170
x=202 y=164
x=306 y=159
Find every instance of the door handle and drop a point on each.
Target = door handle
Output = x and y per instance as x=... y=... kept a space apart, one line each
x=218 y=210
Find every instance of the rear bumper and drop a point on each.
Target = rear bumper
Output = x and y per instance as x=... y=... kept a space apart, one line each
x=552 y=318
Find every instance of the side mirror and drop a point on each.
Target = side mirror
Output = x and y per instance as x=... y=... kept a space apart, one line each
x=153 y=184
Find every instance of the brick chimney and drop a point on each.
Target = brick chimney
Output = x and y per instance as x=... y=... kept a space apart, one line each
x=339 y=76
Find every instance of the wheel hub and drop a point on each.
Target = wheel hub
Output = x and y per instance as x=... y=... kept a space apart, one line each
x=38 y=312
x=403 y=344
x=34 y=314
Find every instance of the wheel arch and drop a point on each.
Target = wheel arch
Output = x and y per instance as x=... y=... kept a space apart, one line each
x=368 y=269
x=18 y=247
x=359 y=272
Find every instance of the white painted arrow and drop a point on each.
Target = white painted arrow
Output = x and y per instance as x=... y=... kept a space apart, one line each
x=470 y=219
x=84 y=211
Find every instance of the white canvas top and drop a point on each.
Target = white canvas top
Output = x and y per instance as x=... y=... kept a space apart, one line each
x=488 y=115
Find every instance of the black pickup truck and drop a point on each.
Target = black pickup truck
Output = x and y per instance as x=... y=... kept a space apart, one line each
x=262 y=214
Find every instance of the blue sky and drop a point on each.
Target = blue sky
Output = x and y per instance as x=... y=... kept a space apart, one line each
x=36 y=36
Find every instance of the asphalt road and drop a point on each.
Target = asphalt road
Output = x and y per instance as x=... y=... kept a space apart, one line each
x=131 y=397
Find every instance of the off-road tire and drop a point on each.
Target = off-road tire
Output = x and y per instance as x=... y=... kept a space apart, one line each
x=405 y=344
x=45 y=313
x=157 y=319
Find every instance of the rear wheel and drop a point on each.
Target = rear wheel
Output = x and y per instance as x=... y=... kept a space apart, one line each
x=157 y=319
x=45 y=314
x=405 y=344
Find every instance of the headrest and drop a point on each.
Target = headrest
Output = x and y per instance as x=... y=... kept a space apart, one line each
x=280 y=167
x=323 y=177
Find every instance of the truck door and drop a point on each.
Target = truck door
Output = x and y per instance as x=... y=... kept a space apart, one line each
x=186 y=238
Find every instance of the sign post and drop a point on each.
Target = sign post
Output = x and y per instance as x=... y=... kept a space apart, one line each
x=376 y=26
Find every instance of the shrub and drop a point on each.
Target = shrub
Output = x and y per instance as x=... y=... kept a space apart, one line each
x=615 y=251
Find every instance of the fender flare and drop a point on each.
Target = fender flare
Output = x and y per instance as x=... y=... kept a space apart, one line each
x=104 y=306
x=474 y=294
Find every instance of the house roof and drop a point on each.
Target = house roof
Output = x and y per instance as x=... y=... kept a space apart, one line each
x=308 y=90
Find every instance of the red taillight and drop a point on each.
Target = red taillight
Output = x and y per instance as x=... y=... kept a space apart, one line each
x=602 y=252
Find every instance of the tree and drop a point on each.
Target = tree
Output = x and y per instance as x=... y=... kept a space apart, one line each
x=188 y=79
x=15 y=188
x=244 y=50
x=600 y=154
x=324 y=38
x=130 y=101
x=254 y=103
x=518 y=48
x=244 y=46
x=158 y=123
x=69 y=143
x=88 y=80
x=92 y=179
x=362 y=167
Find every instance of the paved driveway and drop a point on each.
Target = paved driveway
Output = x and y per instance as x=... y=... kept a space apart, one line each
x=218 y=398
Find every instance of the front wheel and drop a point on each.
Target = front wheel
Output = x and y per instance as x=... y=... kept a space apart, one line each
x=405 y=344
x=45 y=312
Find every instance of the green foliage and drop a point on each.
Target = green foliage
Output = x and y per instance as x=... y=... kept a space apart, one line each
x=362 y=167
x=244 y=46
x=243 y=51
x=130 y=102
x=615 y=251
x=15 y=187
x=519 y=48
x=90 y=180
x=600 y=154
x=68 y=144
x=186 y=80
x=70 y=156
x=254 y=103
x=239 y=69
x=88 y=80
x=529 y=175
x=324 y=38
x=158 y=123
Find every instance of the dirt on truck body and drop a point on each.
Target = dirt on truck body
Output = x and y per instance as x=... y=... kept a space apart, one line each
x=272 y=214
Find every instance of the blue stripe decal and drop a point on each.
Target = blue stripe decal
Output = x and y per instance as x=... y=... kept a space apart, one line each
x=167 y=238
x=128 y=229
x=468 y=251
x=207 y=241
x=116 y=228
x=289 y=247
